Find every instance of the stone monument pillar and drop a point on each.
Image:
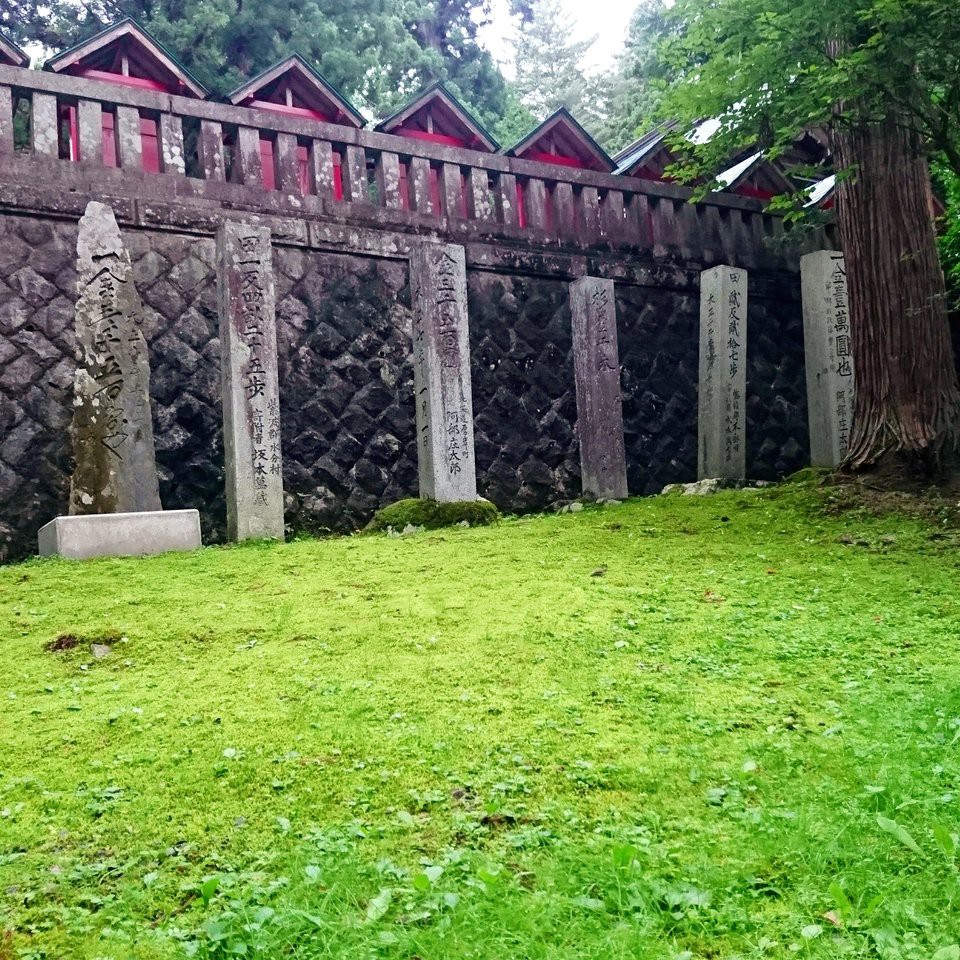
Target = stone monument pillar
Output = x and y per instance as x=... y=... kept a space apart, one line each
x=441 y=368
x=115 y=461
x=251 y=390
x=826 y=340
x=114 y=494
x=596 y=367
x=721 y=422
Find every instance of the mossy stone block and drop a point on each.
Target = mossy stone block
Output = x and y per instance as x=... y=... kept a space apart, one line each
x=421 y=512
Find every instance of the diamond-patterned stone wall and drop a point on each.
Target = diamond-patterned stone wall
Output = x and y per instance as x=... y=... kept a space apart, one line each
x=347 y=382
x=659 y=334
x=523 y=392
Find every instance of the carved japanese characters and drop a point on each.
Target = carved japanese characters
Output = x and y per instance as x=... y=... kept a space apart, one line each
x=251 y=393
x=829 y=365
x=596 y=366
x=115 y=462
x=723 y=374
x=441 y=364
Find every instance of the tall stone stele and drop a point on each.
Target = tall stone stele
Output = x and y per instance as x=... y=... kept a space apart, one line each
x=114 y=491
x=596 y=367
x=441 y=373
x=722 y=401
x=115 y=460
x=251 y=387
x=827 y=356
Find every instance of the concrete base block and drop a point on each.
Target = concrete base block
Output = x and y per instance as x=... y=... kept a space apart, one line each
x=120 y=534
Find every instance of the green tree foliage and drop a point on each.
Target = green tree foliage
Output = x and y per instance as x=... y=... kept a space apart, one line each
x=632 y=92
x=950 y=233
x=881 y=76
x=548 y=62
x=379 y=52
x=768 y=69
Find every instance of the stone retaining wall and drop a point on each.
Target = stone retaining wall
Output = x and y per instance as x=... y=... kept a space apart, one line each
x=347 y=381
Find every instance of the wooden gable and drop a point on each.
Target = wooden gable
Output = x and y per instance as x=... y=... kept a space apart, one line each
x=646 y=158
x=127 y=55
x=293 y=87
x=11 y=55
x=755 y=176
x=562 y=141
x=438 y=117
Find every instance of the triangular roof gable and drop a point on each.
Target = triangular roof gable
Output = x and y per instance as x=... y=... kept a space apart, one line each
x=755 y=176
x=125 y=53
x=561 y=140
x=11 y=54
x=437 y=115
x=295 y=84
x=647 y=158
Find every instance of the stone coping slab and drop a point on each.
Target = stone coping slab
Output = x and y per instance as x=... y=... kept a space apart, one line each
x=120 y=534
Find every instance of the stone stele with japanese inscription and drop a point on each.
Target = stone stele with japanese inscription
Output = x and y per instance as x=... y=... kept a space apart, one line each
x=441 y=367
x=251 y=390
x=115 y=461
x=829 y=365
x=596 y=365
x=722 y=407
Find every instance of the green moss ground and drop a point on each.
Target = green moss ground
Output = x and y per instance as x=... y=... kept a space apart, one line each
x=680 y=727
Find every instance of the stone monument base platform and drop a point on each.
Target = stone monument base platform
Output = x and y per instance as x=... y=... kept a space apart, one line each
x=120 y=534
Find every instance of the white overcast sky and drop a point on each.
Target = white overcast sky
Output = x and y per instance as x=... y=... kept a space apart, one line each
x=607 y=19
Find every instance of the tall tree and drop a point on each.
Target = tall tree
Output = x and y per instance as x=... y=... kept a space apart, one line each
x=379 y=52
x=882 y=77
x=548 y=62
x=633 y=90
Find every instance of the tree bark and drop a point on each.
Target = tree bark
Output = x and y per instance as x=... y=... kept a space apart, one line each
x=907 y=405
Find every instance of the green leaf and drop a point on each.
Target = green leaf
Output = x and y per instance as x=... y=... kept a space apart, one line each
x=421 y=883
x=588 y=903
x=948 y=953
x=379 y=905
x=208 y=888
x=945 y=840
x=840 y=899
x=899 y=832
x=624 y=854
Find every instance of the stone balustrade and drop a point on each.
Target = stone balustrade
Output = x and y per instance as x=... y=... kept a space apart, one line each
x=212 y=151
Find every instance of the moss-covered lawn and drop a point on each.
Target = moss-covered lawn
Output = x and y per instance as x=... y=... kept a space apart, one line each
x=680 y=727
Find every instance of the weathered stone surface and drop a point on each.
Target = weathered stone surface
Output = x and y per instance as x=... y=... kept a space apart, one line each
x=441 y=364
x=829 y=366
x=344 y=329
x=596 y=364
x=251 y=390
x=722 y=398
x=777 y=432
x=120 y=534
x=115 y=463
x=523 y=388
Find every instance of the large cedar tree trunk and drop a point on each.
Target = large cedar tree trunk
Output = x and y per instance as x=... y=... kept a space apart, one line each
x=907 y=407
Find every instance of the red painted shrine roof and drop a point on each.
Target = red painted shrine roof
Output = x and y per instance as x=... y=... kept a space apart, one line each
x=561 y=140
x=292 y=86
x=126 y=54
x=11 y=54
x=438 y=117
